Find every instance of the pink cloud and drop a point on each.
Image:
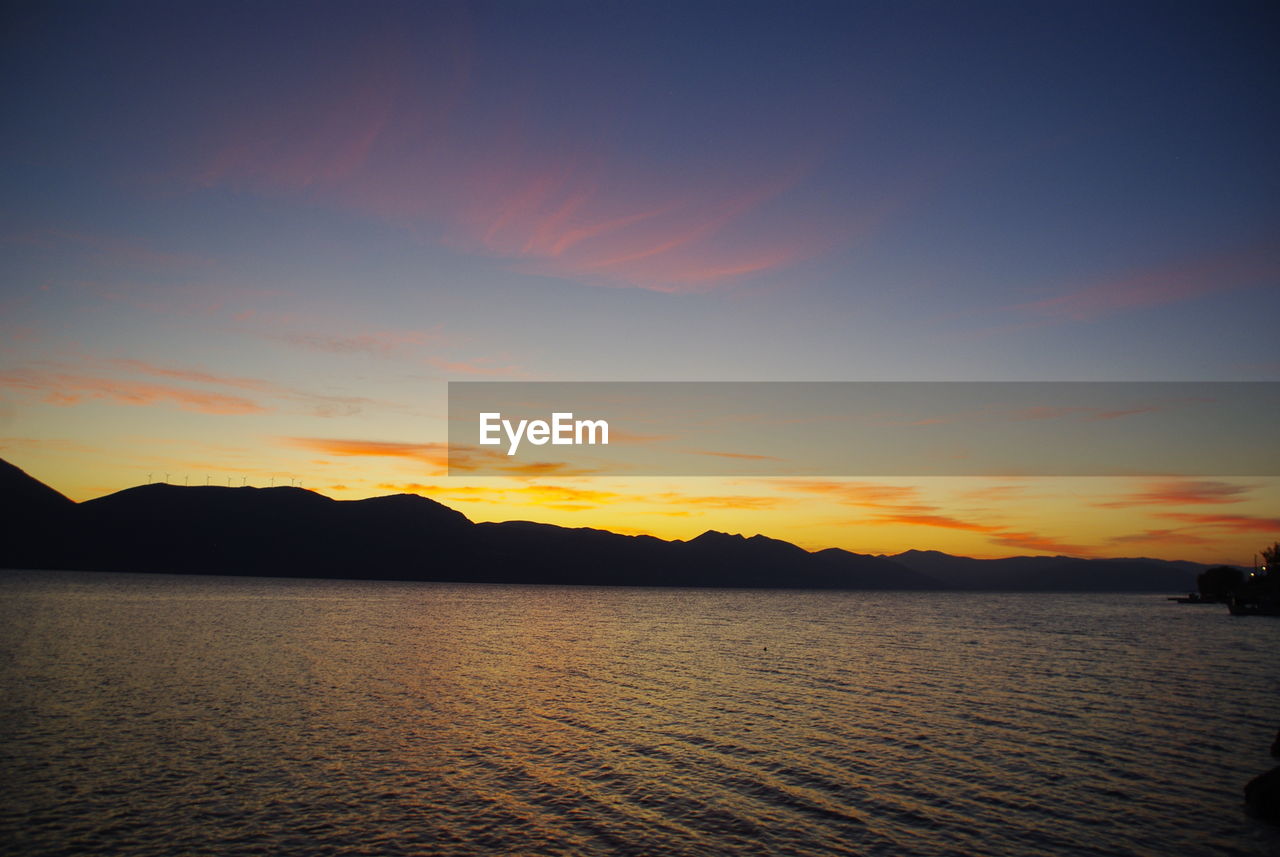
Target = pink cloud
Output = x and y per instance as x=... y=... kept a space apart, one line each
x=378 y=133
x=318 y=404
x=476 y=367
x=380 y=342
x=1230 y=523
x=72 y=383
x=1182 y=493
x=1154 y=287
x=745 y=456
x=60 y=388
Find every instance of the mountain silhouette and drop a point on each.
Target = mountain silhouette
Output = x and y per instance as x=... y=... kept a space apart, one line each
x=292 y=532
x=1056 y=573
x=38 y=519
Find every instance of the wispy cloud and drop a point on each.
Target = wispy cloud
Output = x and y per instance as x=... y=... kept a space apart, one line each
x=379 y=342
x=1050 y=412
x=405 y=345
x=901 y=498
x=1041 y=543
x=315 y=404
x=479 y=367
x=1162 y=537
x=72 y=382
x=575 y=499
x=1181 y=493
x=903 y=505
x=946 y=522
x=1172 y=283
x=433 y=454
x=739 y=502
x=1229 y=523
x=745 y=456
x=65 y=388
x=378 y=132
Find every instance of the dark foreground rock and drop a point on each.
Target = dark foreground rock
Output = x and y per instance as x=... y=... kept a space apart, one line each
x=1262 y=796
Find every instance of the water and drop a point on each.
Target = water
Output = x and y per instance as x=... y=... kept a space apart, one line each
x=169 y=715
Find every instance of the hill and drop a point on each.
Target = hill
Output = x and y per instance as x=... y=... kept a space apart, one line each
x=291 y=532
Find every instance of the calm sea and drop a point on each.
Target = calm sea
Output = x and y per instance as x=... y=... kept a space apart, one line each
x=206 y=715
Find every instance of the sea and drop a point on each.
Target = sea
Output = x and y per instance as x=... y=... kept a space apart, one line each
x=203 y=715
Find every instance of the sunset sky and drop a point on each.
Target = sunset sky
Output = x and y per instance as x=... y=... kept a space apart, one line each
x=249 y=243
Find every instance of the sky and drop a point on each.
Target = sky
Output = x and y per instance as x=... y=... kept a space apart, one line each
x=249 y=243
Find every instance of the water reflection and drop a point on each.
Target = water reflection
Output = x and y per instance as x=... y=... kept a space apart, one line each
x=165 y=715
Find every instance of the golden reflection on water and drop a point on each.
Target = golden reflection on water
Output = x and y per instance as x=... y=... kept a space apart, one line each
x=158 y=715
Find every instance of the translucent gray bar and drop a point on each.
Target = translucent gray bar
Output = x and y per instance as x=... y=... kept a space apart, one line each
x=868 y=428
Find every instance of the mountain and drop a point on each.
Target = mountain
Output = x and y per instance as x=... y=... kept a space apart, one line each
x=1051 y=573
x=291 y=532
x=36 y=516
x=285 y=532
x=542 y=553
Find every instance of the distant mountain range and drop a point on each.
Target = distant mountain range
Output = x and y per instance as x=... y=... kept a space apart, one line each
x=291 y=532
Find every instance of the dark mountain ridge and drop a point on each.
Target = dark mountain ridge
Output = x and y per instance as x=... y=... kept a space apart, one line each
x=292 y=532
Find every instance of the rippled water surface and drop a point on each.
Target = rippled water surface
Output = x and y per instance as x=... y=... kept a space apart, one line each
x=171 y=715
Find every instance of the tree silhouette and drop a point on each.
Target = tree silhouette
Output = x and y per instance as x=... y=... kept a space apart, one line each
x=1271 y=557
x=1219 y=582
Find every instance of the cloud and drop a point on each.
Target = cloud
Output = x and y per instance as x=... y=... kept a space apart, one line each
x=929 y=520
x=563 y=494
x=574 y=499
x=738 y=455
x=397 y=343
x=65 y=388
x=739 y=502
x=379 y=343
x=1041 y=543
x=1172 y=283
x=902 y=505
x=401 y=134
x=65 y=383
x=492 y=462
x=1182 y=493
x=1049 y=412
x=476 y=367
x=996 y=493
x=533 y=469
x=902 y=498
x=1229 y=523
x=196 y=375
x=295 y=134
x=434 y=454
x=1162 y=537
x=564 y=498
x=317 y=404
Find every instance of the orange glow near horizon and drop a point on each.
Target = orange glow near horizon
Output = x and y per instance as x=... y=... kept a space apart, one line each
x=970 y=516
